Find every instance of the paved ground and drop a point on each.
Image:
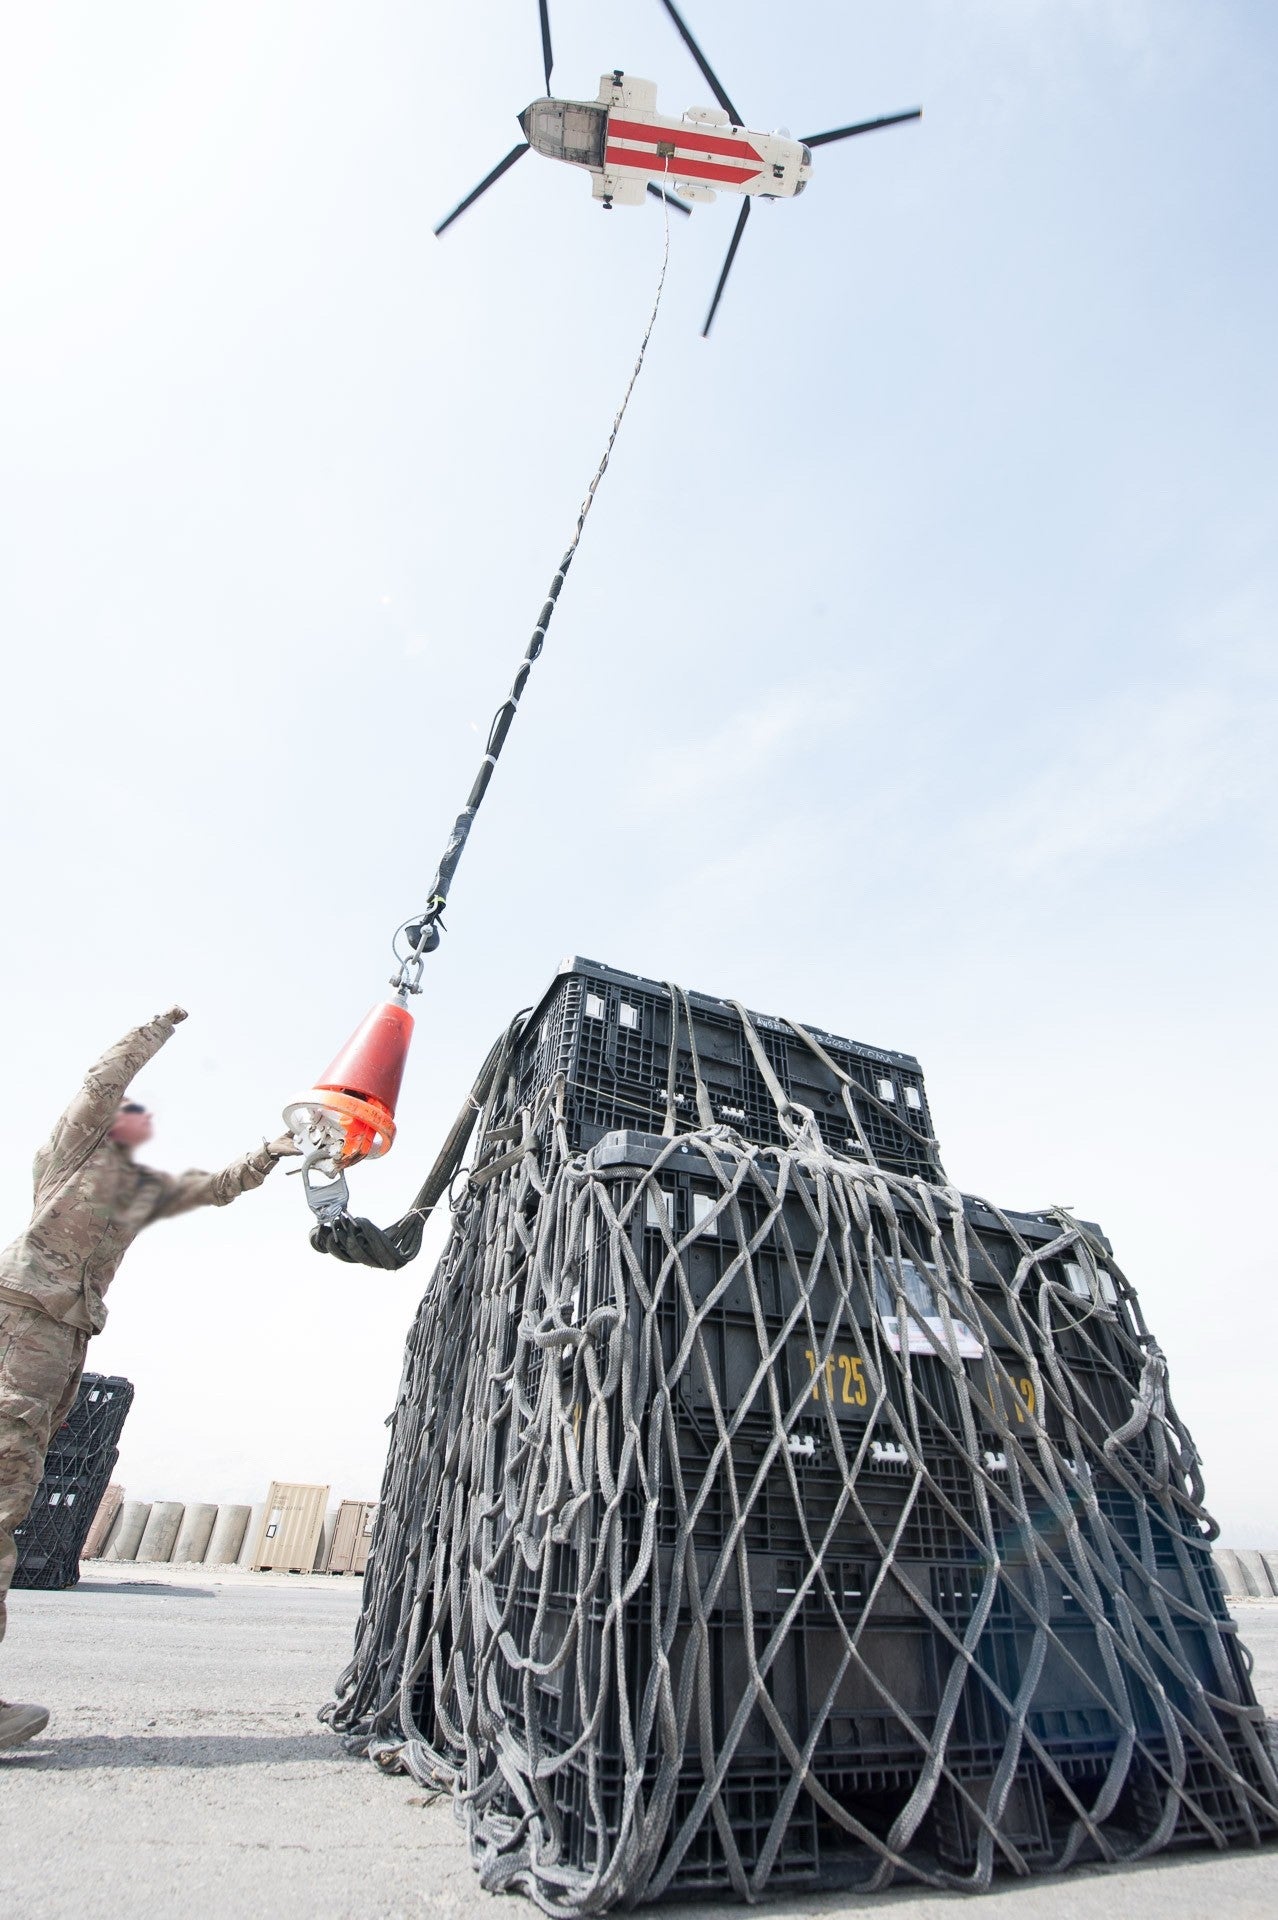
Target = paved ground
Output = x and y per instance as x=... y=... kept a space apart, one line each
x=184 y=1777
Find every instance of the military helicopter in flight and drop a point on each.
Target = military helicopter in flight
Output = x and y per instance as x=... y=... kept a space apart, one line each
x=630 y=150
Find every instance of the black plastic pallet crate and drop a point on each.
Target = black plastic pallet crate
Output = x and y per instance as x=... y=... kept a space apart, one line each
x=96 y=1420
x=51 y=1537
x=78 y=1465
x=611 y=1036
x=768 y=1555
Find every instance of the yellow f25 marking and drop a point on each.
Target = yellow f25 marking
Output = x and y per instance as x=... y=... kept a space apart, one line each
x=854 y=1391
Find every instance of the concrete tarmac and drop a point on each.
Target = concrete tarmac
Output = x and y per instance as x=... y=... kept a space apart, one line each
x=183 y=1776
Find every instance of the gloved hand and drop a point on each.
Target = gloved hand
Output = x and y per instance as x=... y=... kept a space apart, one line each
x=174 y=1017
x=284 y=1147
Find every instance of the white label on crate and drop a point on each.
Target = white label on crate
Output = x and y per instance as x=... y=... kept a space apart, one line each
x=657 y=1204
x=702 y=1208
x=924 y=1330
x=627 y=1016
x=594 y=1007
x=931 y=1337
x=1084 y=1277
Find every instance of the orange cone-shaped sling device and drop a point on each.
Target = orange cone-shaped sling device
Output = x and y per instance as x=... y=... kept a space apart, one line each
x=353 y=1101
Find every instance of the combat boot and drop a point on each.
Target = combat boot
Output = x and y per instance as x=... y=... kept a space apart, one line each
x=19 y=1722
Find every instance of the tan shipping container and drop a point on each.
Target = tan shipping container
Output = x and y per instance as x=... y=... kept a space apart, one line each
x=352 y=1537
x=290 y=1528
x=103 y=1521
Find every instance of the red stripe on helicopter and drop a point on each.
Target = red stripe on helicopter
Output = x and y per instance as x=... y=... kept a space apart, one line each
x=693 y=139
x=678 y=169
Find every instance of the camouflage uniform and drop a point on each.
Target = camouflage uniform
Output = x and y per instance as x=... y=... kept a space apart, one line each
x=91 y=1201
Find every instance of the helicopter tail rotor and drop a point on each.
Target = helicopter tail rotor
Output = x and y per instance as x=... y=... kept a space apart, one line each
x=862 y=126
x=489 y=179
x=733 y=244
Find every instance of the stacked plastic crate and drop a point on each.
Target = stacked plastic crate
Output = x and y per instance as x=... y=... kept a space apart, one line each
x=776 y=1513
x=609 y=1035
x=77 y=1471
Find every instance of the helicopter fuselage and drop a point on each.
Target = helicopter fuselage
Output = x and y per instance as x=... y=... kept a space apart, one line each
x=626 y=145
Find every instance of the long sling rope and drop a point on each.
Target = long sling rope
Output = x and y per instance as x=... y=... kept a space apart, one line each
x=342 y=1234
x=421 y=934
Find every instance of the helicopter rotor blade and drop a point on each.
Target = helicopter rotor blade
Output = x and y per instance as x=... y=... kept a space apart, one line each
x=503 y=166
x=547 y=57
x=671 y=199
x=863 y=126
x=707 y=71
x=733 y=244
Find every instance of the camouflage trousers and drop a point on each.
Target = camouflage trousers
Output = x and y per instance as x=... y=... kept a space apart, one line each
x=40 y=1366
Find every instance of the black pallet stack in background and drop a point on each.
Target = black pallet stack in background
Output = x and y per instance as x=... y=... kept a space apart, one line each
x=609 y=1034
x=77 y=1470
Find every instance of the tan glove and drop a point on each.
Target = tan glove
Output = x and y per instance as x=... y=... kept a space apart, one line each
x=284 y=1147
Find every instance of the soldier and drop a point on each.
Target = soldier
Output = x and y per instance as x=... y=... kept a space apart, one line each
x=91 y=1200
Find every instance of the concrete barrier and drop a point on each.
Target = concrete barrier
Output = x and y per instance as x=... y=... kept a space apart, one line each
x=162 y=1527
x=134 y=1515
x=1255 y=1573
x=194 y=1534
x=244 y=1557
x=112 y=1531
x=227 y=1539
x=1247 y=1573
x=102 y=1528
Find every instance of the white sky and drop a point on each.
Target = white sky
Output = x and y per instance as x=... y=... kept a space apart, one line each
x=916 y=675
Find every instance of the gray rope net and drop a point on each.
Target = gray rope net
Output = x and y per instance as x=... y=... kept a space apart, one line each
x=756 y=1516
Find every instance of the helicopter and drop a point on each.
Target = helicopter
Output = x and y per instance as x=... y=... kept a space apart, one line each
x=630 y=150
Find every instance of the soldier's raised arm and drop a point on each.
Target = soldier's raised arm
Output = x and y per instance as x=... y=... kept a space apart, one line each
x=90 y=1114
x=183 y=1191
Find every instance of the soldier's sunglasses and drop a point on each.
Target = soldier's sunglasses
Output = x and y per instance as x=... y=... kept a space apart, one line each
x=132 y=1106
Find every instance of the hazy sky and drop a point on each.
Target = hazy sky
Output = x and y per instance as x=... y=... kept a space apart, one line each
x=916 y=676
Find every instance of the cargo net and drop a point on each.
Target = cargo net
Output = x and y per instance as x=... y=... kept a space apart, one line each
x=756 y=1517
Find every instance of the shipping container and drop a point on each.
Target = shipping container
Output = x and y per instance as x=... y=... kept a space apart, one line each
x=353 y=1536
x=290 y=1528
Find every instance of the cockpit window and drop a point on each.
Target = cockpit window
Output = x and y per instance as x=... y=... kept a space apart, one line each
x=564 y=130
